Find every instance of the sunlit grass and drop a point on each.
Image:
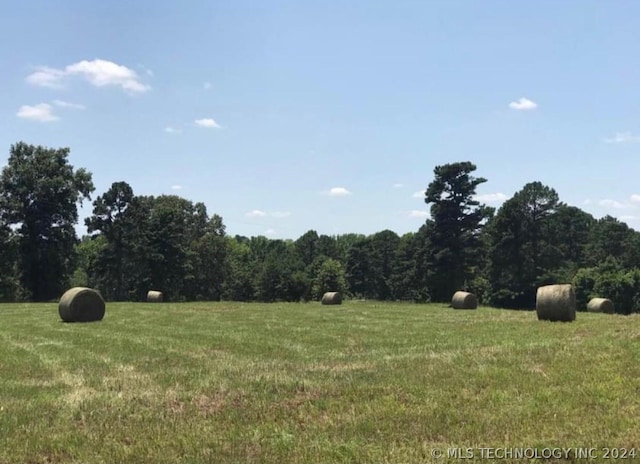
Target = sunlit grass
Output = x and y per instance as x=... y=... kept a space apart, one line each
x=361 y=382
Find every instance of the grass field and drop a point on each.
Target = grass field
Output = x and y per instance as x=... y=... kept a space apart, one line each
x=278 y=383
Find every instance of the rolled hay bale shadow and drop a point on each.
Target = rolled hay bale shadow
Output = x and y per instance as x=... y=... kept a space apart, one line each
x=332 y=298
x=81 y=304
x=556 y=303
x=601 y=305
x=154 y=296
x=464 y=300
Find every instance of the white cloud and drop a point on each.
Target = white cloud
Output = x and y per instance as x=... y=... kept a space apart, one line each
x=270 y=232
x=172 y=130
x=176 y=187
x=337 y=192
x=398 y=186
x=623 y=137
x=64 y=104
x=207 y=122
x=46 y=77
x=207 y=85
x=419 y=194
x=523 y=104
x=635 y=198
x=415 y=213
x=627 y=218
x=491 y=198
x=280 y=214
x=612 y=204
x=587 y=202
x=255 y=214
x=42 y=112
x=100 y=73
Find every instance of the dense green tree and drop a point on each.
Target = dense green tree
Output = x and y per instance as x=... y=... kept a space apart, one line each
x=583 y=281
x=260 y=247
x=238 y=284
x=344 y=242
x=403 y=273
x=39 y=193
x=609 y=237
x=9 y=276
x=613 y=281
x=382 y=253
x=141 y=255
x=88 y=253
x=280 y=276
x=457 y=221
x=169 y=241
x=110 y=220
x=572 y=228
x=423 y=251
x=358 y=269
x=208 y=252
x=523 y=253
x=307 y=247
x=331 y=278
x=327 y=246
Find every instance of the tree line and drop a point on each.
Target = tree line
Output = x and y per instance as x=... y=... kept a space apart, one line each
x=136 y=243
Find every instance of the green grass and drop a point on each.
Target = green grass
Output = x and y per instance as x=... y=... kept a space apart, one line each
x=278 y=383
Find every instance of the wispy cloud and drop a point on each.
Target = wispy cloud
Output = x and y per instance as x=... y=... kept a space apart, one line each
x=419 y=194
x=176 y=187
x=256 y=213
x=207 y=122
x=623 y=137
x=398 y=186
x=65 y=104
x=337 y=192
x=613 y=204
x=415 y=213
x=172 y=130
x=99 y=73
x=587 y=201
x=491 y=197
x=270 y=232
x=206 y=85
x=42 y=112
x=47 y=77
x=523 y=104
x=633 y=203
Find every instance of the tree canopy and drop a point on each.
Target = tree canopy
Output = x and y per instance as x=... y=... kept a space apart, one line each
x=39 y=194
x=136 y=243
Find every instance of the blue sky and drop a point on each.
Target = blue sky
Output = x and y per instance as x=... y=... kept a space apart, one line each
x=285 y=116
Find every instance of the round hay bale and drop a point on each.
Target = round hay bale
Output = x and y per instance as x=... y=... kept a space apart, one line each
x=556 y=303
x=332 y=298
x=464 y=300
x=601 y=305
x=153 y=296
x=81 y=304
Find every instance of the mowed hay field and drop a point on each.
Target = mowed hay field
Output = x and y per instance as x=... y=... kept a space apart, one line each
x=277 y=383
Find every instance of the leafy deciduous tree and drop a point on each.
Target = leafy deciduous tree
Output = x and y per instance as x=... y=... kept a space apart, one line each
x=39 y=193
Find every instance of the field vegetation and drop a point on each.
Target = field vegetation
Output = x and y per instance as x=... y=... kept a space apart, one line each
x=364 y=382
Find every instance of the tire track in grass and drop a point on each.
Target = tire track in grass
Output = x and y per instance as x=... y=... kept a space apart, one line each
x=125 y=383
